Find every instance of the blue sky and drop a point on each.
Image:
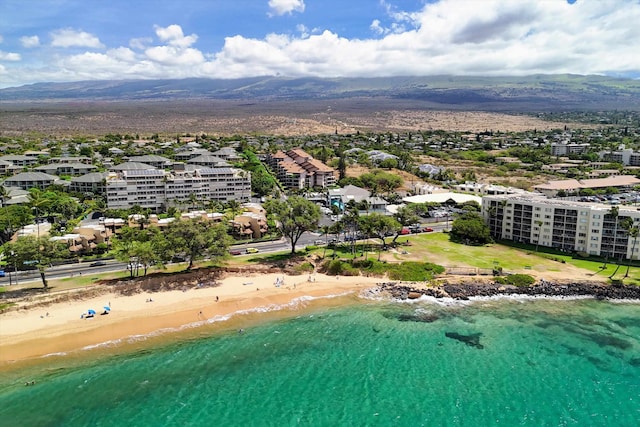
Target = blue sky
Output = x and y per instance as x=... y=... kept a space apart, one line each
x=70 y=40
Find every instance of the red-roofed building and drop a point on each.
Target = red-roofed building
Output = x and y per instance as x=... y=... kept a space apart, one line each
x=297 y=169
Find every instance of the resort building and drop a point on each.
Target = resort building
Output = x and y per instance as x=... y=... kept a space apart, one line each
x=158 y=162
x=341 y=196
x=5 y=167
x=573 y=186
x=89 y=183
x=157 y=189
x=71 y=169
x=296 y=169
x=582 y=227
x=20 y=160
x=565 y=148
x=78 y=159
x=626 y=156
x=27 y=180
x=482 y=189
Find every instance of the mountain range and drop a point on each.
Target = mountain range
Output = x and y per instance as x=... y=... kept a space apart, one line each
x=527 y=93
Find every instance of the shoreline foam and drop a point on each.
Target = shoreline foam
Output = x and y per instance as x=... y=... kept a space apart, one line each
x=27 y=335
x=31 y=334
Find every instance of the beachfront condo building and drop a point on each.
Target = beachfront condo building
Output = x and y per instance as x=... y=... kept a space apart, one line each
x=569 y=226
x=158 y=189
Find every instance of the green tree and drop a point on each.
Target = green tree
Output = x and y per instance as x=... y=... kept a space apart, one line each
x=613 y=212
x=380 y=226
x=295 y=216
x=342 y=165
x=4 y=196
x=633 y=233
x=262 y=183
x=469 y=228
x=140 y=247
x=405 y=216
x=12 y=218
x=197 y=238
x=31 y=250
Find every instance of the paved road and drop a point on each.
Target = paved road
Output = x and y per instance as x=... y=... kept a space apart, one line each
x=85 y=268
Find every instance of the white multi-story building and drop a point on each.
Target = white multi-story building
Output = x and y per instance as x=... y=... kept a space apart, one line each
x=565 y=148
x=158 y=189
x=565 y=225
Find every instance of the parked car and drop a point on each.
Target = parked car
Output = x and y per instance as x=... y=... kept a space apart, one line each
x=428 y=229
x=235 y=252
x=2 y=273
x=319 y=242
x=405 y=231
x=97 y=264
x=252 y=250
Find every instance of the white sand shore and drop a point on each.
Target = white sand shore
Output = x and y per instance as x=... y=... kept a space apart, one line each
x=25 y=334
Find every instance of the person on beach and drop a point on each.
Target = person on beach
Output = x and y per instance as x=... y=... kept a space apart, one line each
x=217 y=299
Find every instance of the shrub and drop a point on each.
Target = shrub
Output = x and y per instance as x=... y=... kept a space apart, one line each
x=305 y=267
x=519 y=280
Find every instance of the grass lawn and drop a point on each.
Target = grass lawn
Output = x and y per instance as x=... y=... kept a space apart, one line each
x=436 y=248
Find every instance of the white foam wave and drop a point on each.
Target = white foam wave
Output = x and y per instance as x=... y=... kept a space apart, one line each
x=296 y=303
x=59 y=353
x=376 y=295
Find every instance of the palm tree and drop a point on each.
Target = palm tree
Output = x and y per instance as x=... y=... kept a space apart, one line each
x=539 y=225
x=325 y=229
x=633 y=233
x=4 y=195
x=614 y=213
x=626 y=224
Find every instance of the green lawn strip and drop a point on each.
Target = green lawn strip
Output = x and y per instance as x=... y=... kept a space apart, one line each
x=508 y=257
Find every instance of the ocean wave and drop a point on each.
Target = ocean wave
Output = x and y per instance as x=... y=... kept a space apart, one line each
x=294 y=304
x=58 y=353
x=375 y=295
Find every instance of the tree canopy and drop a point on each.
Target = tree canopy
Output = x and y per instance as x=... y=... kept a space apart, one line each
x=380 y=226
x=196 y=239
x=469 y=228
x=295 y=216
x=31 y=250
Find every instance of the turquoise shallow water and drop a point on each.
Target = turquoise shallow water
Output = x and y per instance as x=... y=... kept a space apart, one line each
x=533 y=363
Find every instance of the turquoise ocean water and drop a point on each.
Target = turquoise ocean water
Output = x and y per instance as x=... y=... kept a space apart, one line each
x=357 y=363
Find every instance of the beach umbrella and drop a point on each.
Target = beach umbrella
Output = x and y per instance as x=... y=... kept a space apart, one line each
x=91 y=311
x=107 y=308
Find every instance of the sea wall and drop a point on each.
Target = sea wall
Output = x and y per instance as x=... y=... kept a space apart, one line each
x=543 y=288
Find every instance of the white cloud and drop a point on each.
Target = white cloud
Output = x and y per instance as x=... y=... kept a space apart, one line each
x=30 y=41
x=376 y=27
x=174 y=36
x=68 y=37
x=140 y=43
x=283 y=7
x=9 y=56
x=503 y=37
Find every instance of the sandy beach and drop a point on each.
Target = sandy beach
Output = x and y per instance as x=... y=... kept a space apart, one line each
x=58 y=328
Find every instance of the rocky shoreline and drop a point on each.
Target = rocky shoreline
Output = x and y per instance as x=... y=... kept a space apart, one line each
x=463 y=291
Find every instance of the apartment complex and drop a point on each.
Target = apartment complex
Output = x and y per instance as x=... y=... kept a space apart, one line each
x=565 y=148
x=565 y=225
x=573 y=186
x=296 y=169
x=626 y=156
x=157 y=189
